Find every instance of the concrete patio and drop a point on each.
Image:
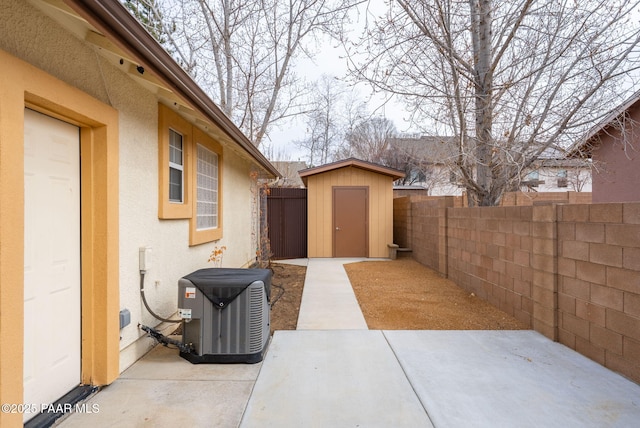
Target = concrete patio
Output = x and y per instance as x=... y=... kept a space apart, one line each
x=333 y=372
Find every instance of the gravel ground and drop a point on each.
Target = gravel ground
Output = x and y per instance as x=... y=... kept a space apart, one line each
x=394 y=295
x=286 y=294
x=404 y=295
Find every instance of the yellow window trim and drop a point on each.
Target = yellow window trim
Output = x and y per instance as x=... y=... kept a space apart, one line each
x=197 y=237
x=191 y=136
x=168 y=119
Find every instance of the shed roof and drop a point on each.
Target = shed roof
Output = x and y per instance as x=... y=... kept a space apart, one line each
x=350 y=162
x=119 y=37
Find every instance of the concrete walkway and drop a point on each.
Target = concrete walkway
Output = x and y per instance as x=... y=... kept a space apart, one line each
x=435 y=378
x=164 y=390
x=328 y=301
x=339 y=374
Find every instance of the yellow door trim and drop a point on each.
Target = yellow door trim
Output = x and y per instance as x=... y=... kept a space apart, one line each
x=26 y=85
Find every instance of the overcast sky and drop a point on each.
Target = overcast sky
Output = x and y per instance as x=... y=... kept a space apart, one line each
x=330 y=61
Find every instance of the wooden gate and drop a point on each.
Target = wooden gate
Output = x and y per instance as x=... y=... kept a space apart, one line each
x=287 y=218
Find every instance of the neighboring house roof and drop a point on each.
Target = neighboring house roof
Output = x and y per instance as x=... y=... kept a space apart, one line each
x=442 y=149
x=351 y=162
x=409 y=187
x=432 y=149
x=289 y=173
x=119 y=37
x=559 y=163
x=584 y=146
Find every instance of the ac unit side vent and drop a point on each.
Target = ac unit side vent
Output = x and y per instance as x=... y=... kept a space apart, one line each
x=255 y=319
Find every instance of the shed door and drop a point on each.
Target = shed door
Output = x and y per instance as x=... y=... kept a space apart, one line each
x=51 y=258
x=350 y=222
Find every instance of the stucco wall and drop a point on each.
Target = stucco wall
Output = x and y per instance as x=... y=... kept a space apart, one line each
x=172 y=258
x=30 y=35
x=617 y=164
x=577 y=179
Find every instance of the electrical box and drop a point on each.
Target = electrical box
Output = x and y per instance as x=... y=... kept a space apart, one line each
x=145 y=259
x=226 y=314
x=125 y=318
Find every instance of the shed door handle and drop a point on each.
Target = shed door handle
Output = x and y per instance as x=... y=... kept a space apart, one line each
x=337 y=228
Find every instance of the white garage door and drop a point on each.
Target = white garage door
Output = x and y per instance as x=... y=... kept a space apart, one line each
x=51 y=258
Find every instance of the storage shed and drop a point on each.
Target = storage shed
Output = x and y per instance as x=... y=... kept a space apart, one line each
x=350 y=208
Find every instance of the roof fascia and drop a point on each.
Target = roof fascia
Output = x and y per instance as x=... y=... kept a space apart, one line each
x=585 y=146
x=110 y=17
x=351 y=162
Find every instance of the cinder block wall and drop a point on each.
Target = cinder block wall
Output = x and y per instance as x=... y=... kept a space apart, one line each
x=402 y=227
x=599 y=283
x=534 y=198
x=489 y=254
x=424 y=242
x=570 y=272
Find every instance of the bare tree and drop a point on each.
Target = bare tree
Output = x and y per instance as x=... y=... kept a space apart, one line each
x=332 y=112
x=424 y=162
x=508 y=79
x=415 y=169
x=579 y=176
x=242 y=51
x=369 y=139
x=323 y=120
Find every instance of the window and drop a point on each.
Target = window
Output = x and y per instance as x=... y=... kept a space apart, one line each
x=206 y=222
x=190 y=171
x=207 y=193
x=176 y=167
x=562 y=178
x=533 y=179
x=174 y=140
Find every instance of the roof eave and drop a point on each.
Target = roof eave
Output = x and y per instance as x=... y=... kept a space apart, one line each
x=583 y=148
x=110 y=17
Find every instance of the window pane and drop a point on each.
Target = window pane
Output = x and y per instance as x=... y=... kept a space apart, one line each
x=175 y=185
x=207 y=189
x=175 y=147
x=176 y=176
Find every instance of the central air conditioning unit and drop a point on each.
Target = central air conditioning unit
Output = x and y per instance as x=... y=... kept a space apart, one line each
x=225 y=315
